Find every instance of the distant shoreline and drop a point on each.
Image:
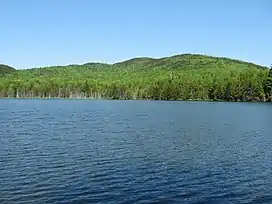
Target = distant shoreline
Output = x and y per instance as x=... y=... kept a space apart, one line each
x=184 y=77
x=108 y=99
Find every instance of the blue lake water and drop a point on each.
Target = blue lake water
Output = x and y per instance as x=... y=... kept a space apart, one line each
x=98 y=151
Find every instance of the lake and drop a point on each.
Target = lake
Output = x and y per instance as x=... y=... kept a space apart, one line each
x=99 y=151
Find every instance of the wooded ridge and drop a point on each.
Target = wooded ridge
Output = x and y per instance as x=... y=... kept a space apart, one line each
x=179 y=77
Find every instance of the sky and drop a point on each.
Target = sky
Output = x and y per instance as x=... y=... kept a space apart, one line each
x=38 y=33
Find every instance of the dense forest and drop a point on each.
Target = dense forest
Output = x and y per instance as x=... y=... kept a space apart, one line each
x=180 y=77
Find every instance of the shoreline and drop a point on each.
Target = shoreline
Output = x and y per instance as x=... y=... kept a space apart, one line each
x=109 y=99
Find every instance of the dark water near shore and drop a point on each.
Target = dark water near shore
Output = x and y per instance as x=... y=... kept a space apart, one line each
x=76 y=151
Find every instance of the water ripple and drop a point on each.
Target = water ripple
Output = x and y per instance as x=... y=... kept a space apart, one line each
x=134 y=152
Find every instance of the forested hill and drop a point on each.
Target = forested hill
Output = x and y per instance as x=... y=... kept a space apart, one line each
x=5 y=69
x=186 y=61
x=180 y=77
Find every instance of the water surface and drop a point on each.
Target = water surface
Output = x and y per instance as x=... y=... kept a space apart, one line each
x=84 y=151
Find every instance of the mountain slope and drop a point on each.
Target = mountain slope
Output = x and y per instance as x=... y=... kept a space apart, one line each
x=6 y=69
x=186 y=61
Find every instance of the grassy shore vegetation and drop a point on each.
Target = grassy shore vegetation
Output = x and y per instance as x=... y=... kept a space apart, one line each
x=180 y=77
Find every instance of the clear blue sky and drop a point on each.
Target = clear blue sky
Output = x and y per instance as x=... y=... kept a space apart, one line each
x=35 y=33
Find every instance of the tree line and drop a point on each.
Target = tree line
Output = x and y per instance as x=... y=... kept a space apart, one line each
x=188 y=77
